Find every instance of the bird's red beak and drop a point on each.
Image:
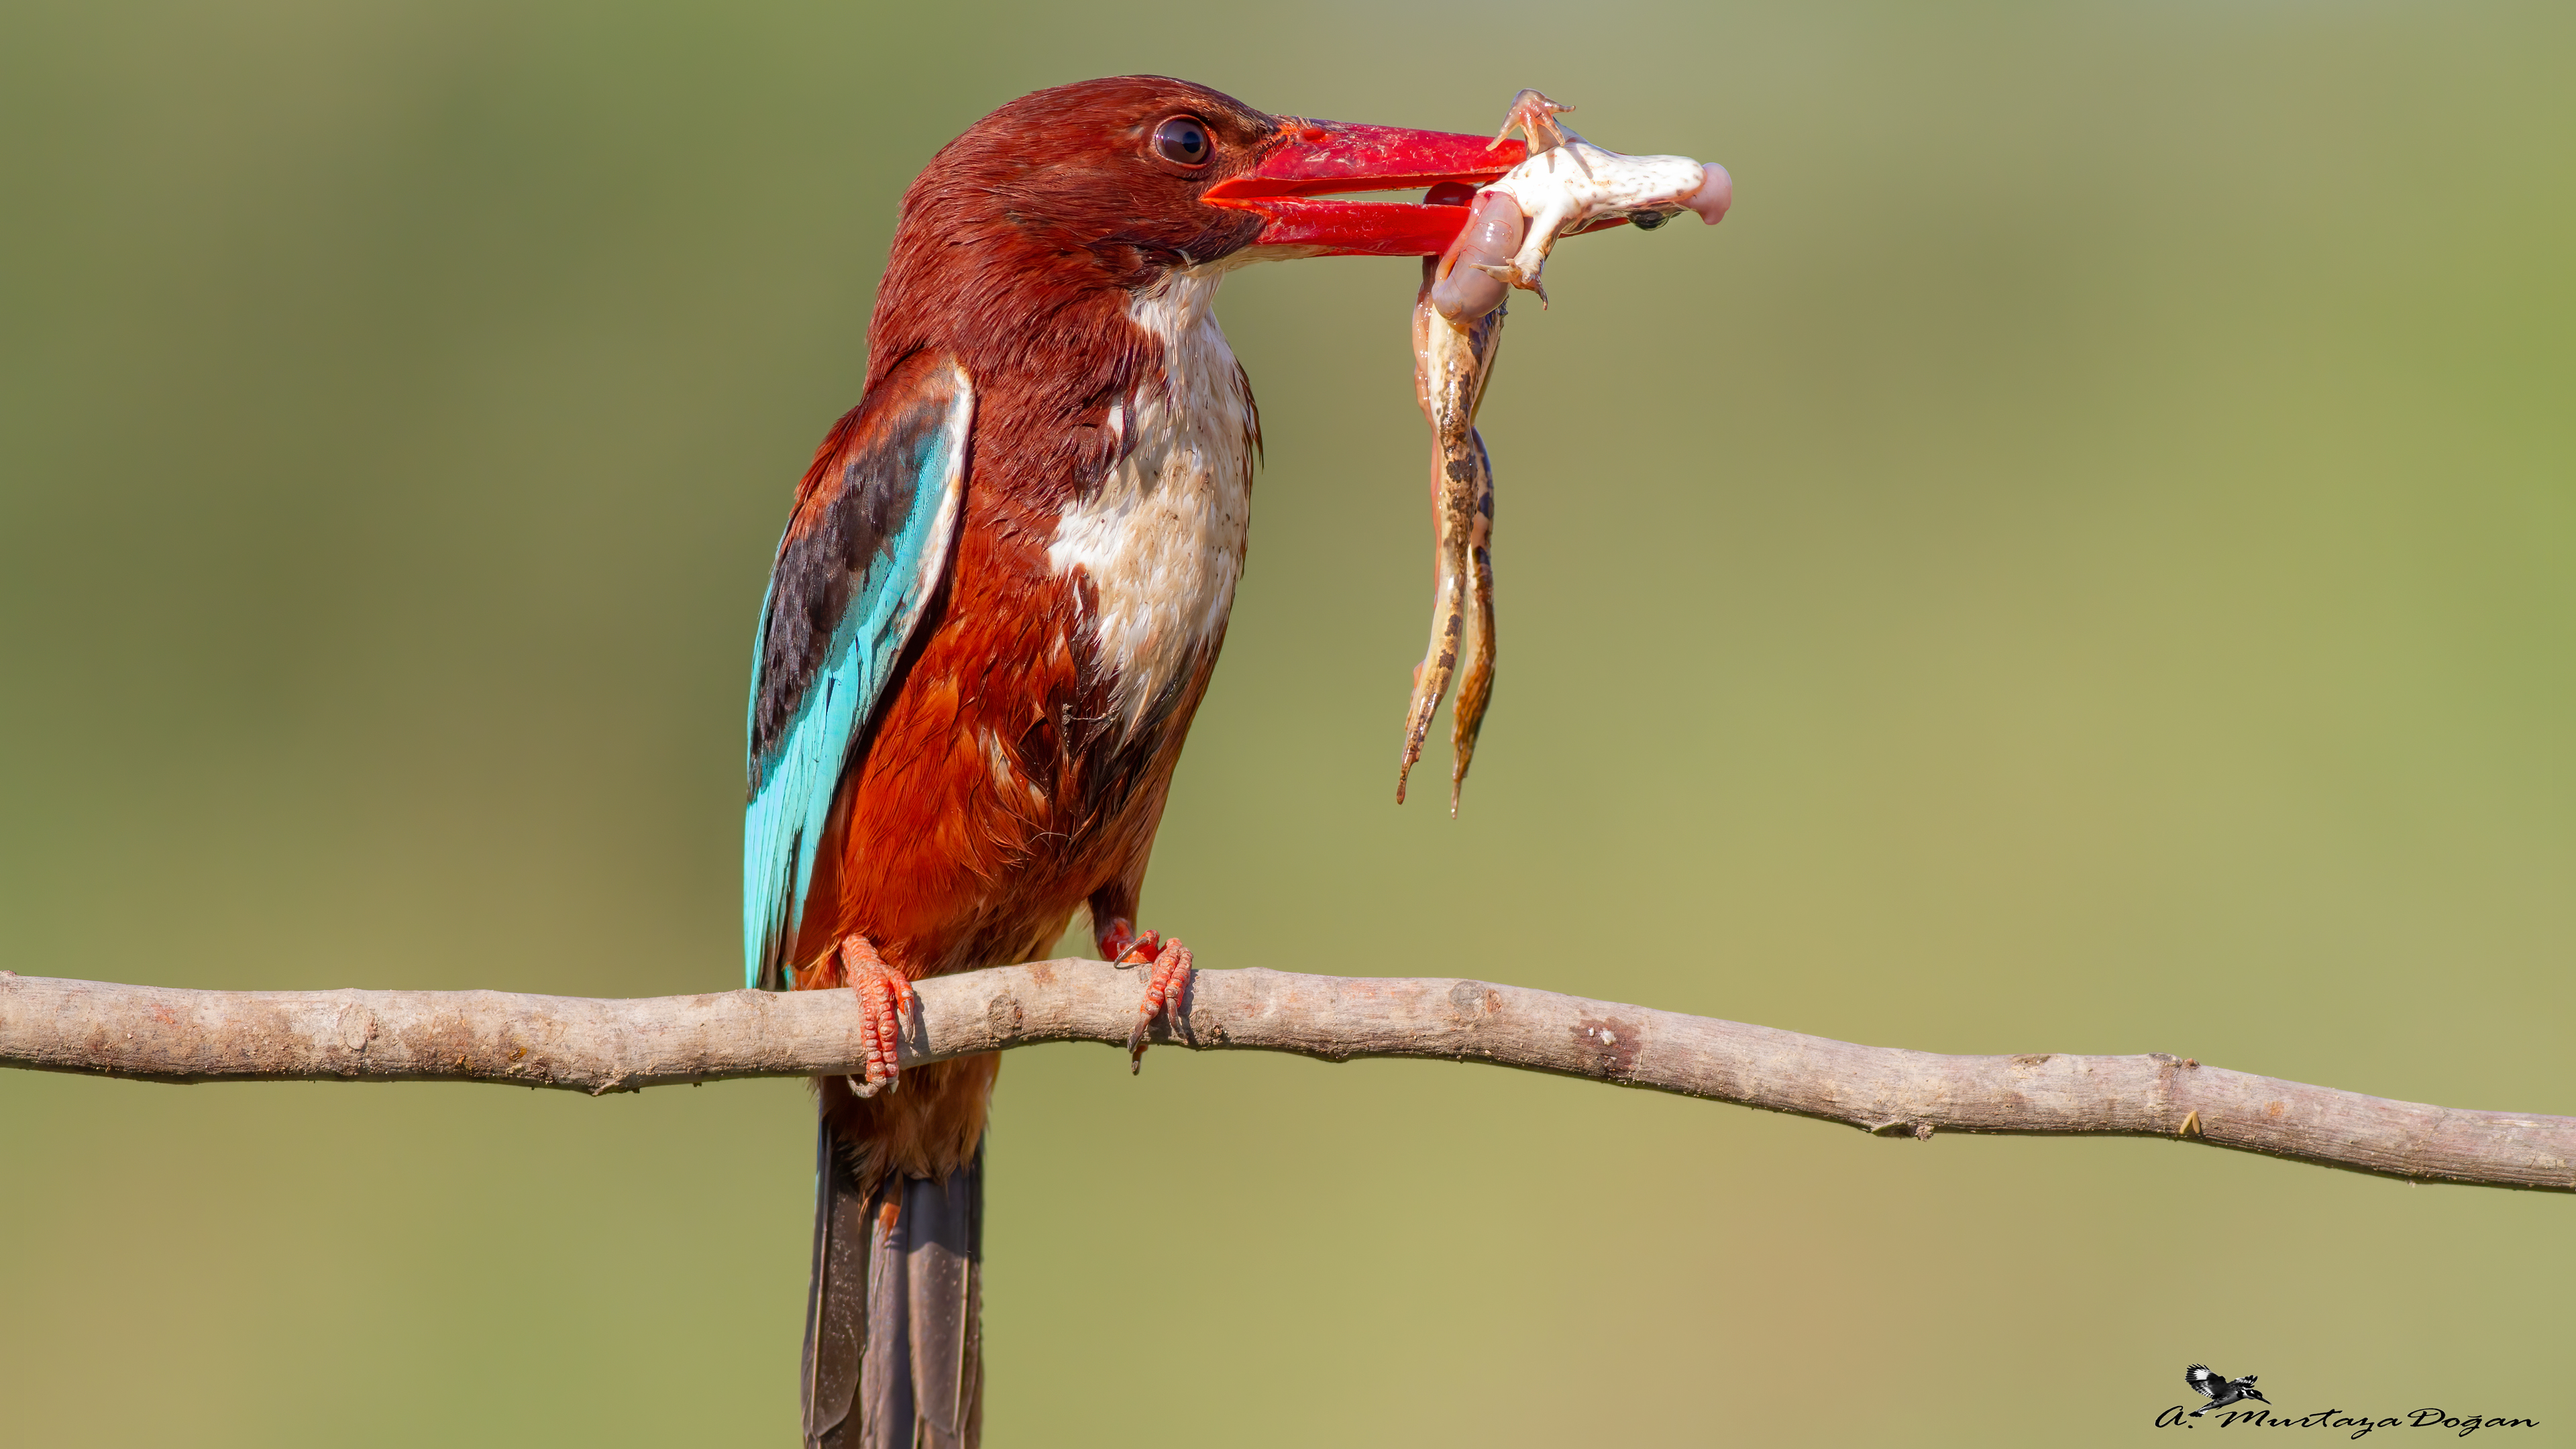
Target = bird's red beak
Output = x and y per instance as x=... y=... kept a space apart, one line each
x=1316 y=159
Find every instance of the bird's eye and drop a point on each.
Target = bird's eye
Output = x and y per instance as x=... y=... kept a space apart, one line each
x=1184 y=141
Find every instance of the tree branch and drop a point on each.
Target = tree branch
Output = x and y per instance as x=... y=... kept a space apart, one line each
x=159 y=1034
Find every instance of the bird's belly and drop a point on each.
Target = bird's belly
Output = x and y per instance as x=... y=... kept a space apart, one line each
x=952 y=846
x=1005 y=782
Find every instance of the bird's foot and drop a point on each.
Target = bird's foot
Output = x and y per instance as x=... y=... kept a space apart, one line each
x=1166 y=989
x=884 y=992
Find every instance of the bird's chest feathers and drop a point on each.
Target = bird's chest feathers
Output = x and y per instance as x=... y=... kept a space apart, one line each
x=1161 y=539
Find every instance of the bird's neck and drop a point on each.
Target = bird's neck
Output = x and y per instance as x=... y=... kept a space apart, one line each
x=1160 y=539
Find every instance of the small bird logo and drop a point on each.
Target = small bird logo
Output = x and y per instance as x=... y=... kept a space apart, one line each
x=2219 y=1389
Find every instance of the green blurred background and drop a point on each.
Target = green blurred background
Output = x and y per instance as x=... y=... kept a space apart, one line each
x=2084 y=559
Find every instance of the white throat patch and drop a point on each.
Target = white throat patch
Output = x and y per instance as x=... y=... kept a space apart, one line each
x=1162 y=538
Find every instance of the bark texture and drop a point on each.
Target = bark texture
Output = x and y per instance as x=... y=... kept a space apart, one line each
x=160 y=1034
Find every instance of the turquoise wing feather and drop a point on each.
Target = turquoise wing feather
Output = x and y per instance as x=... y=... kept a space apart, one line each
x=870 y=541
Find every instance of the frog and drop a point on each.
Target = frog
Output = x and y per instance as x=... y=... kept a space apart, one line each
x=1566 y=185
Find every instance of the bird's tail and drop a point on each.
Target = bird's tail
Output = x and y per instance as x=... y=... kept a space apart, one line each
x=894 y=1350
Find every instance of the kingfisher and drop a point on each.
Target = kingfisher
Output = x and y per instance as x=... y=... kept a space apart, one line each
x=2219 y=1389
x=994 y=611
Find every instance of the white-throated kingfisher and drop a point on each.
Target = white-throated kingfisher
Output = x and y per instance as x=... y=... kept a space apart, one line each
x=995 y=609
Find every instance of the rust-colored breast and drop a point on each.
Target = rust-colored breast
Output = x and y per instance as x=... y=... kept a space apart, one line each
x=998 y=791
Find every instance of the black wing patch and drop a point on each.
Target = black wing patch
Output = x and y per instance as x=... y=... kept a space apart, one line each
x=846 y=534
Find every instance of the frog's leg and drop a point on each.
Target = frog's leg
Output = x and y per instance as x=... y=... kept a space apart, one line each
x=1536 y=115
x=1511 y=273
x=1476 y=668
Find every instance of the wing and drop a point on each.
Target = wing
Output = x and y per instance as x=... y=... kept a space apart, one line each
x=2199 y=1377
x=869 y=543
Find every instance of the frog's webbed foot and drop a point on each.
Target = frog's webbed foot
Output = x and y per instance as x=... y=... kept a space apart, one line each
x=1511 y=274
x=1536 y=116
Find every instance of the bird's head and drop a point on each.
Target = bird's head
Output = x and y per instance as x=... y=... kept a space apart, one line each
x=1108 y=185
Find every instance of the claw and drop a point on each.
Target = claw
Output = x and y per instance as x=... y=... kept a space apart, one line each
x=1121 y=941
x=1511 y=273
x=1536 y=115
x=884 y=994
x=1164 y=994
